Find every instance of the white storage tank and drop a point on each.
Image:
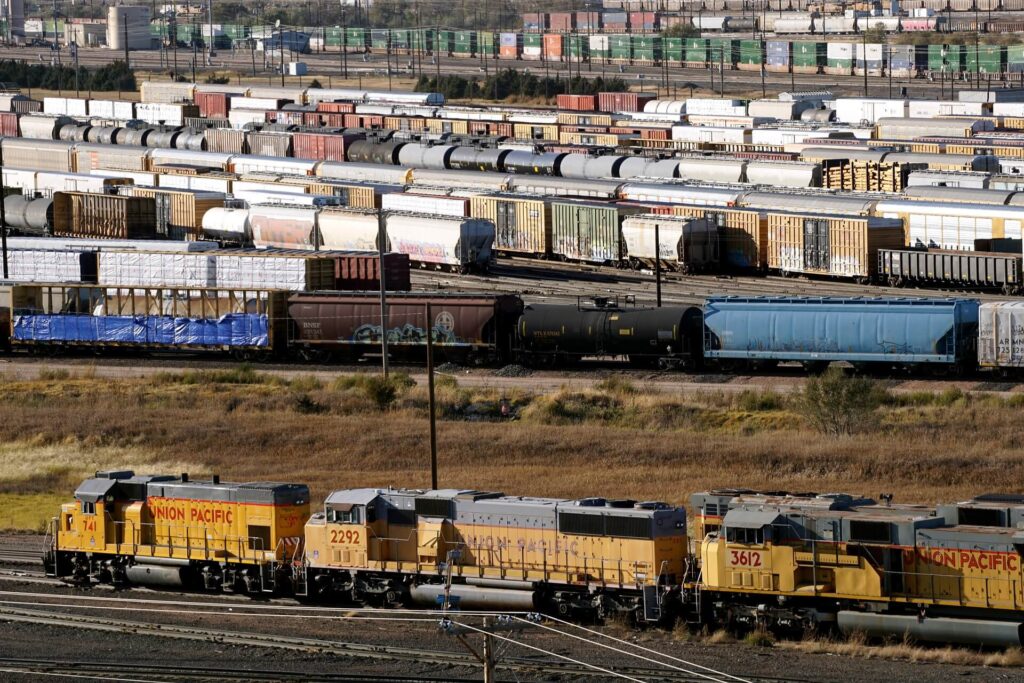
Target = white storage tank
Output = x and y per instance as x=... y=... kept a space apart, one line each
x=129 y=23
x=227 y=225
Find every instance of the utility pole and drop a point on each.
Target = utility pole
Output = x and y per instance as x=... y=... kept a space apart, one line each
x=864 y=58
x=3 y=217
x=209 y=21
x=344 y=44
x=382 y=238
x=657 y=262
x=431 y=405
x=126 y=62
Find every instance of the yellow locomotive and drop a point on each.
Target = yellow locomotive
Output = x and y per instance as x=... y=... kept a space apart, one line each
x=172 y=531
x=475 y=549
x=950 y=574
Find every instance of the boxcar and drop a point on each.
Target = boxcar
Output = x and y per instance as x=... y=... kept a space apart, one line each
x=465 y=327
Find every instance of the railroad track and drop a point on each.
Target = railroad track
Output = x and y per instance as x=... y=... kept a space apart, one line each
x=10 y=555
x=564 y=282
x=79 y=669
x=341 y=648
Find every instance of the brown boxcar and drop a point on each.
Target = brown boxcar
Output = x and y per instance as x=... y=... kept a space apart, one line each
x=81 y=214
x=359 y=271
x=322 y=146
x=469 y=328
x=213 y=105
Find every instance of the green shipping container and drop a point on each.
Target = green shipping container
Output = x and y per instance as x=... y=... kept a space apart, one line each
x=985 y=59
x=357 y=38
x=750 y=52
x=464 y=43
x=723 y=50
x=579 y=47
x=620 y=46
x=696 y=50
x=423 y=39
x=588 y=231
x=809 y=54
x=236 y=31
x=673 y=49
x=379 y=38
x=954 y=59
x=487 y=43
x=1015 y=54
x=647 y=48
x=445 y=42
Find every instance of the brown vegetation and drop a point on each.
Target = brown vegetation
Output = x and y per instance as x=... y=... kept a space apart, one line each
x=617 y=440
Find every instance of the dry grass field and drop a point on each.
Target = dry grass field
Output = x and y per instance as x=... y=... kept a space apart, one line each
x=618 y=440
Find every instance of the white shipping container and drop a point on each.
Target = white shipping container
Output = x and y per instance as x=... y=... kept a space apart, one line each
x=874 y=52
x=48 y=182
x=441 y=240
x=926 y=109
x=112 y=109
x=240 y=118
x=1008 y=108
x=44 y=265
x=258 y=103
x=424 y=204
x=165 y=91
x=598 y=43
x=859 y=109
x=227 y=271
x=242 y=164
x=89 y=244
x=21 y=178
x=839 y=51
x=718 y=134
x=715 y=105
x=156 y=112
x=195 y=182
x=1000 y=342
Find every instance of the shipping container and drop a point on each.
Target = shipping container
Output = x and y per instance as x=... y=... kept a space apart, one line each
x=79 y=214
x=623 y=101
x=840 y=246
x=248 y=269
x=322 y=146
x=522 y=224
x=820 y=330
x=213 y=104
x=360 y=272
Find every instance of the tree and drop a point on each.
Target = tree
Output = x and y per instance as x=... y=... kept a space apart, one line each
x=838 y=405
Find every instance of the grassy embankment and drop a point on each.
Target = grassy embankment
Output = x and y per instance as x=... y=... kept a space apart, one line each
x=617 y=440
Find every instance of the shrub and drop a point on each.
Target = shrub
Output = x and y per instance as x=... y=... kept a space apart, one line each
x=382 y=391
x=753 y=401
x=306 y=405
x=616 y=385
x=838 y=405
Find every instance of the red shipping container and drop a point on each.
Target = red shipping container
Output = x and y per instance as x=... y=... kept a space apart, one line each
x=577 y=102
x=322 y=146
x=643 y=21
x=508 y=51
x=334 y=120
x=654 y=133
x=553 y=46
x=374 y=121
x=312 y=118
x=336 y=107
x=361 y=272
x=213 y=105
x=8 y=124
x=504 y=129
x=623 y=101
x=561 y=21
x=353 y=121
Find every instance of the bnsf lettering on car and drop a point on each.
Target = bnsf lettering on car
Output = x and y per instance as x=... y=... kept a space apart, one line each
x=745 y=558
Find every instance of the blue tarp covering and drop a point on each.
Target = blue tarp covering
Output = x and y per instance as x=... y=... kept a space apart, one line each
x=234 y=329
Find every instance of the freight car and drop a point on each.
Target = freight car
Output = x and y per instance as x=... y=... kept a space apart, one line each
x=960 y=269
x=869 y=333
x=465 y=328
x=559 y=335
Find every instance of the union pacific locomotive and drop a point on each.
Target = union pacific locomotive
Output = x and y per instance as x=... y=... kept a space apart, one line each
x=950 y=573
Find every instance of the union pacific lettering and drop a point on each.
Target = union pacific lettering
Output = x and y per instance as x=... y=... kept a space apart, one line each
x=177 y=512
x=964 y=559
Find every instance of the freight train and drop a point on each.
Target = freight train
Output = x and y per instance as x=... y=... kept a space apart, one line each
x=788 y=562
x=729 y=334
